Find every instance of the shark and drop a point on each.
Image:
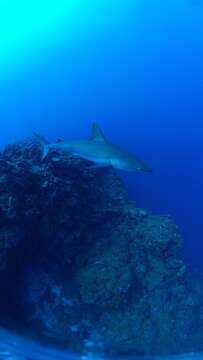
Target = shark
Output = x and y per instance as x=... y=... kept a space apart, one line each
x=98 y=150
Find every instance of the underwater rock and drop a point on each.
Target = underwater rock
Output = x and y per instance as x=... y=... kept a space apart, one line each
x=82 y=264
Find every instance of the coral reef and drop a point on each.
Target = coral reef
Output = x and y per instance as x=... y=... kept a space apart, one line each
x=82 y=264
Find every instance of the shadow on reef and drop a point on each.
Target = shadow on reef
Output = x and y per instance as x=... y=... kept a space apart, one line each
x=84 y=266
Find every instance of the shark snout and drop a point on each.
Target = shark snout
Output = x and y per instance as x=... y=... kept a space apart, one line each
x=145 y=168
x=142 y=166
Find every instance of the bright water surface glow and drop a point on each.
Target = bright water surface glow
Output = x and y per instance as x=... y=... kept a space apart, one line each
x=30 y=27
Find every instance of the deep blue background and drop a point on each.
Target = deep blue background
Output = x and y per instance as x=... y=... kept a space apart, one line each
x=142 y=80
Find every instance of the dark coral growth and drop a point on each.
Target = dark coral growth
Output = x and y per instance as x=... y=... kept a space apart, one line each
x=82 y=264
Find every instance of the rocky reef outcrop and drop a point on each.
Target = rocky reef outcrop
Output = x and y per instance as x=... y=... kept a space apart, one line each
x=83 y=265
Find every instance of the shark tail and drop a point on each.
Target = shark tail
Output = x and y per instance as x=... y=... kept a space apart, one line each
x=44 y=143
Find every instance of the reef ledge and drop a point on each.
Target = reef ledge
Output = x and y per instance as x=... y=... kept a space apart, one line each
x=83 y=265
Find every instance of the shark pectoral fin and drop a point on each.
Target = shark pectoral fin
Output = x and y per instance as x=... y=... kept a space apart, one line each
x=97 y=134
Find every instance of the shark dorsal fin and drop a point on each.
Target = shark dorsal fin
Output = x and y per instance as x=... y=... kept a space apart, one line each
x=97 y=134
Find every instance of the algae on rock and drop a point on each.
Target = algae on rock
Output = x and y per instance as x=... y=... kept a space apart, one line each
x=80 y=261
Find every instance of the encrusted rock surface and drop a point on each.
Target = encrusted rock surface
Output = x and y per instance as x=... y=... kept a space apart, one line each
x=82 y=264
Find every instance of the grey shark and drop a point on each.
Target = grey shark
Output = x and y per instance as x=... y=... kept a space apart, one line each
x=97 y=150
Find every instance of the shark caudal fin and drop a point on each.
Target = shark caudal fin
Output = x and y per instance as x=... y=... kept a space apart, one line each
x=96 y=133
x=44 y=143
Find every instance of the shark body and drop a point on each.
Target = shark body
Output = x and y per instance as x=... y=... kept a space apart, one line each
x=97 y=150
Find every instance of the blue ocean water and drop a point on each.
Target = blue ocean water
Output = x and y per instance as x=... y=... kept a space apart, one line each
x=135 y=67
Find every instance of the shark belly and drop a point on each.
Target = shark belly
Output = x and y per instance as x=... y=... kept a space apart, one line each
x=94 y=159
